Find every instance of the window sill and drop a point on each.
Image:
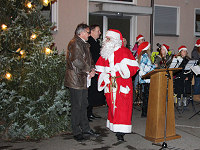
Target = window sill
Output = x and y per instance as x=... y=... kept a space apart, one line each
x=171 y=35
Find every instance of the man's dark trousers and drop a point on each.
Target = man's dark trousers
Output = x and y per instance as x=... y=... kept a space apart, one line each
x=79 y=104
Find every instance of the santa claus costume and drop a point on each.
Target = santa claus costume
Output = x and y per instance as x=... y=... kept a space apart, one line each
x=116 y=66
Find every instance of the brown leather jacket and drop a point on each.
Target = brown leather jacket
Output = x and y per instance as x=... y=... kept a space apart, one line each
x=79 y=63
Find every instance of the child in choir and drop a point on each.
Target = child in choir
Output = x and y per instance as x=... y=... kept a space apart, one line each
x=183 y=77
x=139 y=40
x=145 y=66
x=163 y=59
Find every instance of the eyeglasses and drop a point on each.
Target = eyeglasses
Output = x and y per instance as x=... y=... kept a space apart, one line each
x=88 y=32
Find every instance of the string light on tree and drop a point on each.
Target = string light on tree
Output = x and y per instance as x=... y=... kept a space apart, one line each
x=22 y=52
x=29 y=5
x=18 y=50
x=47 y=51
x=8 y=76
x=3 y=27
x=46 y=2
x=33 y=36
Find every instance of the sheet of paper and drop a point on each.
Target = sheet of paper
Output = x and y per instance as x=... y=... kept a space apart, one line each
x=175 y=63
x=196 y=69
x=190 y=64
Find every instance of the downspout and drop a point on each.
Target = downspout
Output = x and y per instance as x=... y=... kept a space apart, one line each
x=151 y=25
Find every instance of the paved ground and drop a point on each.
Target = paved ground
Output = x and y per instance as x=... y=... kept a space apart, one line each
x=189 y=129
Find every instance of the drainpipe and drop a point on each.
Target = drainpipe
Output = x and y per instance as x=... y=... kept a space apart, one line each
x=151 y=25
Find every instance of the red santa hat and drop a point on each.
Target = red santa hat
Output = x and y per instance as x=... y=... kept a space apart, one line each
x=142 y=47
x=183 y=47
x=166 y=47
x=139 y=37
x=116 y=34
x=197 y=43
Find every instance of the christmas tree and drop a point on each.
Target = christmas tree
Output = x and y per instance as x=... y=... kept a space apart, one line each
x=33 y=101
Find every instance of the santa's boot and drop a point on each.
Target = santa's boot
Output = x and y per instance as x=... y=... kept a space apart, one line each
x=179 y=102
x=120 y=136
x=184 y=101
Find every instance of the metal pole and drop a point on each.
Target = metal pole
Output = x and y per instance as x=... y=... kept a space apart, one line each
x=151 y=25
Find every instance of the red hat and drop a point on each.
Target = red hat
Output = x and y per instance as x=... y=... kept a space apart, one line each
x=139 y=37
x=116 y=34
x=166 y=47
x=183 y=47
x=197 y=43
x=143 y=46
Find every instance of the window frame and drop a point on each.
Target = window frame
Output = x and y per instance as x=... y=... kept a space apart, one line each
x=177 y=25
x=53 y=14
x=197 y=34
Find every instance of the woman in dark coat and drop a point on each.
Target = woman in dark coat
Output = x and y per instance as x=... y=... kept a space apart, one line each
x=95 y=98
x=196 y=56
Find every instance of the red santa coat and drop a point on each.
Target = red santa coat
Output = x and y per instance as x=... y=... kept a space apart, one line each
x=122 y=65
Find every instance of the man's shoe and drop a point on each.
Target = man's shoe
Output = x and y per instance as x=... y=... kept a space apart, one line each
x=89 y=119
x=94 y=116
x=91 y=132
x=79 y=137
x=120 y=136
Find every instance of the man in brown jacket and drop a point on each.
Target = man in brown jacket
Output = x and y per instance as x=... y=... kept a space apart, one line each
x=79 y=71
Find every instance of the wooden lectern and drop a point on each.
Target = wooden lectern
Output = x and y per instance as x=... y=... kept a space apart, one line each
x=155 y=123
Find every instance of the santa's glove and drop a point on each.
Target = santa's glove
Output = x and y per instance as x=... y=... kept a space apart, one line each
x=106 y=78
x=117 y=67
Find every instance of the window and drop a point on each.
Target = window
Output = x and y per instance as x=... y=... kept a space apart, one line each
x=51 y=13
x=166 y=20
x=123 y=0
x=197 y=22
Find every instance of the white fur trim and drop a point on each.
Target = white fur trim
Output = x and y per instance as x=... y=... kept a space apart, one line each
x=140 y=39
x=119 y=127
x=182 y=49
x=113 y=34
x=124 y=90
x=123 y=69
x=197 y=45
x=102 y=69
x=106 y=90
x=103 y=77
x=146 y=48
x=165 y=49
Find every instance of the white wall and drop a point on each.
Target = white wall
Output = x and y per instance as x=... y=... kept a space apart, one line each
x=71 y=13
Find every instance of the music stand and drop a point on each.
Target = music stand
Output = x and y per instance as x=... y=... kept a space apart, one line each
x=175 y=63
x=190 y=64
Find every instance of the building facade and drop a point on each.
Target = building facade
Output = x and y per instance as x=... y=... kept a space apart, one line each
x=174 y=23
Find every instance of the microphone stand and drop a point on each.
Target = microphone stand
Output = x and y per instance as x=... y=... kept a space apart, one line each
x=176 y=63
x=164 y=144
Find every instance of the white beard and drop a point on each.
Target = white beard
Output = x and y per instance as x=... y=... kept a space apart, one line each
x=109 y=47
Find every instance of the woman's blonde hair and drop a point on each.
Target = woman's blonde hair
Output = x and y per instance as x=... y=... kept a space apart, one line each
x=143 y=52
